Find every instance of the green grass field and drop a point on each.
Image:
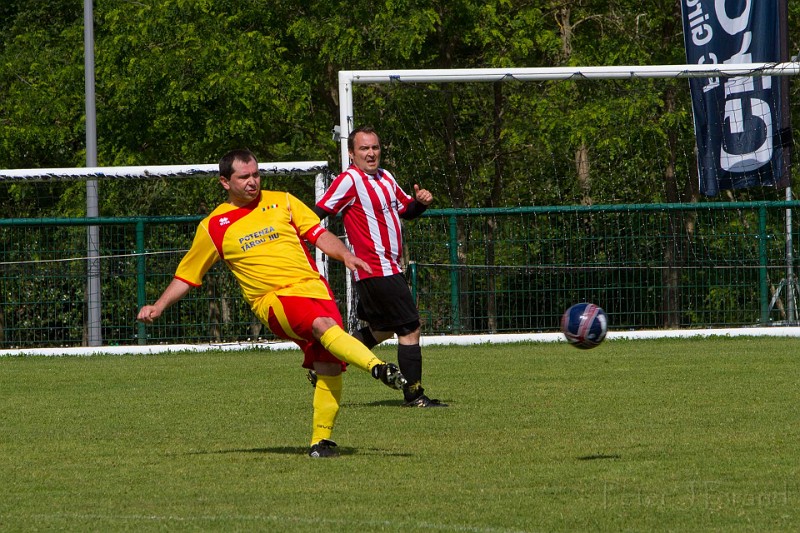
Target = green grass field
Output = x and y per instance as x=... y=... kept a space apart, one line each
x=656 y=435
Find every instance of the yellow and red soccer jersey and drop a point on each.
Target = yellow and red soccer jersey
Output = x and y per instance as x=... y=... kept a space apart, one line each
x=262 y=244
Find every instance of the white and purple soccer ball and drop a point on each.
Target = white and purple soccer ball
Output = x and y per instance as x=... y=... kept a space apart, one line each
x=584 y=325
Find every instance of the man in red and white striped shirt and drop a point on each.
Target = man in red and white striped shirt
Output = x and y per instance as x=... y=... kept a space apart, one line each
x=372 y=204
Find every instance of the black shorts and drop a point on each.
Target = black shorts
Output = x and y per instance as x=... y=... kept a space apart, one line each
x=385 y=303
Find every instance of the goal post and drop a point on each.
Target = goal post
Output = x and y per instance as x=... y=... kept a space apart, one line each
x=152 y=171
x=389 y=83
x=129 y=174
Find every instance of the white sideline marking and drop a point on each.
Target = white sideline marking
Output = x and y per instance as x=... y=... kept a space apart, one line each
x=444 y=340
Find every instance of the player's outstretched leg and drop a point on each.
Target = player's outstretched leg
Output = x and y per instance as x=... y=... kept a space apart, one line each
x=349 y=350
x=389 y=375
x=364 y=335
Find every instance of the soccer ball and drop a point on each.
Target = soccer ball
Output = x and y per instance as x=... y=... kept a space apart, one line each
x=584 y=325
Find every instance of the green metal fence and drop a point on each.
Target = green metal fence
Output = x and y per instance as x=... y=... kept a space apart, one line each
x=648 y=266
x=472 y=271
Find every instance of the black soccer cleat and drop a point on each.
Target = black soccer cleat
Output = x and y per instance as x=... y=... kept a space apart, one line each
x=389 y=375
x=324 y=448
x=424 y=401
x=312 y=378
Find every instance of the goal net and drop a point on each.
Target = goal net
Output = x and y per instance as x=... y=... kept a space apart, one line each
x=558 y=185
x=71 y=280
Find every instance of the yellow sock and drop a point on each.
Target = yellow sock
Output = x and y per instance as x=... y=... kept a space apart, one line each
x=348 y=349
x=327 y=396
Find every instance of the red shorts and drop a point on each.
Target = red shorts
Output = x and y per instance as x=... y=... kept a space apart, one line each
x=291 y=318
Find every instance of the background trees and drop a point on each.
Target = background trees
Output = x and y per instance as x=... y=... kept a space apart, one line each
x=182 y=81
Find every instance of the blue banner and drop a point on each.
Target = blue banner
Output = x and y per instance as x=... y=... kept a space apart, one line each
x=741 y=124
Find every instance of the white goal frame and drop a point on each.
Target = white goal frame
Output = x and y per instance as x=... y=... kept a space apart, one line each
x=94 y=304
x=349 y=78
x=152 y=171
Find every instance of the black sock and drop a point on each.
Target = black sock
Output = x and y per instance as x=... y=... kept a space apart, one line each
x=365 y=336
x=409 y=358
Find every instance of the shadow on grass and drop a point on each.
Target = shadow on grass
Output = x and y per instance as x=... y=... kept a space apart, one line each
x=391 y=403
x=379 y=403
x=599 y=457
x=298 y=450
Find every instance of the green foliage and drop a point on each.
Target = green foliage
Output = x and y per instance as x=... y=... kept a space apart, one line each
x=184 y=81
x=187 y=80
x=41 y=87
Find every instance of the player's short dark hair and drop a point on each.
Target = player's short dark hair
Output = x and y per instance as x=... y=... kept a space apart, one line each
x=226 y=163
x=362 y=129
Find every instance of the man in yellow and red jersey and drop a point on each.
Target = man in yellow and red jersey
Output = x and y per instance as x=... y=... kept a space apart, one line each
x=260 y=235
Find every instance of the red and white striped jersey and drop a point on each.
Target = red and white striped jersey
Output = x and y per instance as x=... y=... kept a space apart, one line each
x=371 y=207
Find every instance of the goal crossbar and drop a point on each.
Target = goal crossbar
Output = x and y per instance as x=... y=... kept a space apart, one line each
x=153 y=171
x=347 y=78
x=566 y=73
